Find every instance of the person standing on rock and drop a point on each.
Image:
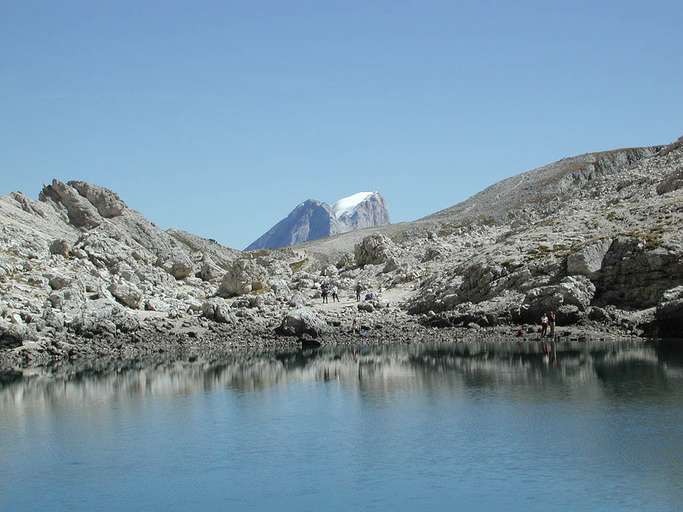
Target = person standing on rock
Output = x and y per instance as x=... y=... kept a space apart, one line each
x=551 y=323
x=358 y=290
x=544 y=325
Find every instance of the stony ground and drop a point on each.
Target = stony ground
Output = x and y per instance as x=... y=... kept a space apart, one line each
x=596 y=238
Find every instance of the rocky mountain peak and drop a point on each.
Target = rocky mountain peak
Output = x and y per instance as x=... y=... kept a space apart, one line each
x=313 y=219
x=361 y=210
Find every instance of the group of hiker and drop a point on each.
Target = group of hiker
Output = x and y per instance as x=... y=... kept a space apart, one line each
x=548 y=324
x=328 y=290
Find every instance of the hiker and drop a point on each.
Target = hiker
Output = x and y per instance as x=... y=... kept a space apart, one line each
x=358 y=290
x=324 y=292
x=335 y=294
x=544 y=325
x=551 y=323
x=354 y=326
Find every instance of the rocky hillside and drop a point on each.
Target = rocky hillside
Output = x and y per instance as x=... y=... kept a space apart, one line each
x=313 y=220
x=596 y=238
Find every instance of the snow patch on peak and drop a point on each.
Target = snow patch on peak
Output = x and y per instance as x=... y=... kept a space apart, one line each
x=347 y=204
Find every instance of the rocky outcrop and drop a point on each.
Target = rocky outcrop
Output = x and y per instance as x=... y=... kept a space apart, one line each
x=81 y=213
x=574 y=291
x=669 y=314
x=245 y=275
x=107 y=203
x=375 y=249
x=588 y=259
x=636 y=272
x=126 y=293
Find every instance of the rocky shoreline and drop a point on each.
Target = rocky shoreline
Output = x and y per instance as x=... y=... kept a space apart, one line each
x=597 y=238
x=216 y=340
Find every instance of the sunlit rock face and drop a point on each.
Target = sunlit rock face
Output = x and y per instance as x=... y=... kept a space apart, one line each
x=312 y=220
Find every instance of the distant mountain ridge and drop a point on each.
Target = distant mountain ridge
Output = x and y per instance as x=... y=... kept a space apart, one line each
x=313 y=219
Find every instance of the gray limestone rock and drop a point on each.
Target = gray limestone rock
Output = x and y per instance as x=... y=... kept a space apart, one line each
x=81 y=213
x=218 y=310
x=671 y=183
x=127 y=294
x=107 y=203
x=375 y=249
x=245 y=275
x=61 y=247
x=302 y=321
x=577 y=291
x=588 y=260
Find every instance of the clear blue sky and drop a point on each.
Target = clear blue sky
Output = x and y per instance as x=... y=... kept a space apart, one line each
x=219 y=117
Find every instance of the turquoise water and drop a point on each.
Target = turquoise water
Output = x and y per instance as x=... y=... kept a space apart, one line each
x=372 y=429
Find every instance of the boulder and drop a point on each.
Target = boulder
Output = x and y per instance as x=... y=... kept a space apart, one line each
x=568 y=314
x=11 y=334
x=374 y=250
x=244 y=276
x=297 y=300
x=279 y=287
x=346 y=261
x=302 y=321
x=61 y=247
x=56 y=280
x=588 y=260
x=126 y=293
x=178 y=264
x=367 y=307
x=209 y=271
x=599 y=315
x=218 y=310
x=157 y=304
x=672 y=182
x=329 y=271
x=571 y=291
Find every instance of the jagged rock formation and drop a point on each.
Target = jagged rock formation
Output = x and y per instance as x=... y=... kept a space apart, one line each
x=312 y=220
x=80 y=260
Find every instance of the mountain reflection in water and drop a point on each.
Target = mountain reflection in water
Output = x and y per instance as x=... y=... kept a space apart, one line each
x=412 y=427
x=631 y=373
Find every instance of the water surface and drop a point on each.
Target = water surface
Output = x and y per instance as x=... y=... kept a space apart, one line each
x=397 y=428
